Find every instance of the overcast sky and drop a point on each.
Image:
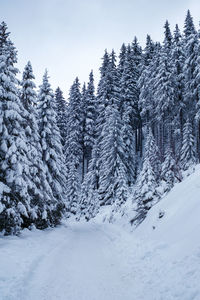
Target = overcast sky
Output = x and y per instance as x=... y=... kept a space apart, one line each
x=68 y=37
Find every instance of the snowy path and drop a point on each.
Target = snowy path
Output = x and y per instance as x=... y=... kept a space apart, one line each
x=79 y=262
x=94 y=262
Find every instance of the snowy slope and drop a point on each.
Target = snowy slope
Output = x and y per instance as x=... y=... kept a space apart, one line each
x=95 y=261
x=181 y=221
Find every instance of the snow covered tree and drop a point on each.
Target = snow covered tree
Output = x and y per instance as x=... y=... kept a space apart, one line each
x=74 y=146
x=103 y=94
x=89 y=201
x=122 y=57
x=129 y=113
x=189 y=25
x=113 y=182
x=61 y=113
x=146 y=187
x=73 y=189
x=136 y=54
x=168 y=36
x=178 y=59
x=129 y=93
x=146 y=193
x=146 y=84
x=153 y=154
x=191 y=42
x=38 y=188
x=15 y=201
x=168 y=172
x=188 y=158
x=52 y=153
x=107 y=95
x=148 y=51
x=110 y=142
x=90 y=115
x=164 y=93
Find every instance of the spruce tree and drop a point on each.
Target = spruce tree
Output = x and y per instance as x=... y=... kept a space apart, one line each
x=113 y=182
x=191 y=43
x=122 y=57
x=178 y=59
x=38 y=188
x=129 y=113
x=89 y=201
x=61 y=107
x=168 y=172
x=52 y=153
x=165 y=93
x=74 y=147
x=188 y=158
x=148 y=51
x=90 y=115
x=153 y=154
x=146 y=193
x=14 y=165
x=74 y=138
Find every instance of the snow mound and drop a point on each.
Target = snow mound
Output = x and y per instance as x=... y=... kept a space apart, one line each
x=175 y=219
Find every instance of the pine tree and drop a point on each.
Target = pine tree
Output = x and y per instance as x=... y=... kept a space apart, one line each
x=74 y=139
x=37 y=185
x=168 y=172
x=110 y=160
x=52 y=153
x=189 y=28
x=83 y=111
x=89 y=202
x=146 y=84
x=112 y=176
x=137 y=59
x=165 y=94
x=73 y=189
x=153 y=154
x=188 y=158
x=107 y=95
x=178 y=59
x=148 y=51
x=129 y=113
x=129 y=93
x=191 y=47
x=122 y=57
x=146 y=193
x=74 y=146
x=168 y=37
x=61 y=108
x=136 y=54
x=90 y=115
x=13 y=148
x=103 y=93
x=146 y=189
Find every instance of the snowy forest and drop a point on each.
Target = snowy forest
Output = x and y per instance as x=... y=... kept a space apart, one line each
x=135 y=136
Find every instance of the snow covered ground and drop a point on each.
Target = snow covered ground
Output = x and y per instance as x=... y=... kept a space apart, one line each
x=160 y=260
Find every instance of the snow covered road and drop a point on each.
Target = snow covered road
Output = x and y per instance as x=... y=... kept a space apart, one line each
x=91 y=261
x=79 y=262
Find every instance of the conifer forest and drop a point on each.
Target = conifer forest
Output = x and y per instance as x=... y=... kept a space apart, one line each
x=132 y=135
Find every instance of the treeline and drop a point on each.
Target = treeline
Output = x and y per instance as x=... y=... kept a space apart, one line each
x=32 y=172
x=139 y=132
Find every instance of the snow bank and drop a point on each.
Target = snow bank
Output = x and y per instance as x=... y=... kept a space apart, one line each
x=176 y=218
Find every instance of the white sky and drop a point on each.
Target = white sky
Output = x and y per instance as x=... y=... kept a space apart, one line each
x=68 y=37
